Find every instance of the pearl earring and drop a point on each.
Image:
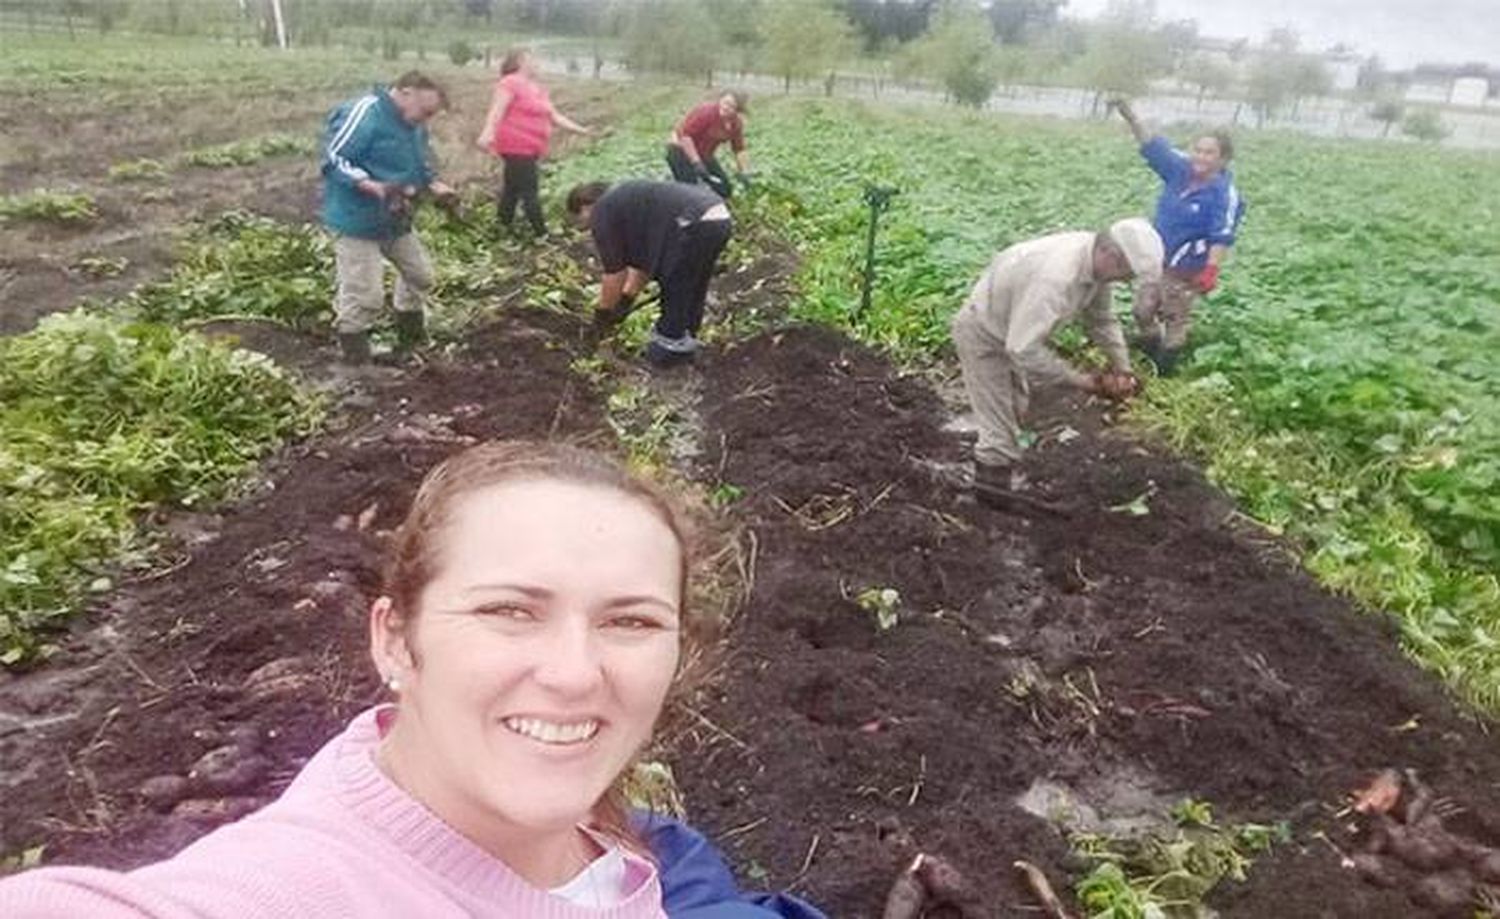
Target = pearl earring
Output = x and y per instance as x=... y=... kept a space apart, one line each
x=393 y=684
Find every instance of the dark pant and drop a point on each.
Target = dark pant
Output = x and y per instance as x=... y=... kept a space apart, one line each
x=683 y=171
x=521 y=187
x=684 y=286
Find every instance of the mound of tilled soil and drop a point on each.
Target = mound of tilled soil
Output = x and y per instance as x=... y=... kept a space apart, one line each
x=198 y=694
x=1126 y=658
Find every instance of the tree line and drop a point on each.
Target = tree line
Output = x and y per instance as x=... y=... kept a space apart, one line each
x=966 y=49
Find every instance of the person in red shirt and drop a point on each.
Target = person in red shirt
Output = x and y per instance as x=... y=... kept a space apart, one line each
x=690 y=152
x=518 y=129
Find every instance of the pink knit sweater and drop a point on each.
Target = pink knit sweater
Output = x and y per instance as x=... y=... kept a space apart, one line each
x=343 y=841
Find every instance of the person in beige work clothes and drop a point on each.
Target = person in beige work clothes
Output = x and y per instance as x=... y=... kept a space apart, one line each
x=1002 y=333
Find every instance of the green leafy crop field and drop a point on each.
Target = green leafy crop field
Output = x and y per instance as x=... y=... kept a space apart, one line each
x=1345 y=379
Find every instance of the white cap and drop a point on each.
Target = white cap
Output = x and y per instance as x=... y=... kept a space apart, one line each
x=1142 y=247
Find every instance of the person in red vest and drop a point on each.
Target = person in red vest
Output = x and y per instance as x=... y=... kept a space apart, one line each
x=690 y=152
x=518 y=129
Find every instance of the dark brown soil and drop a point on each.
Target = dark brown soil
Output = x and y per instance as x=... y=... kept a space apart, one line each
x=1168 y=646
x=164 y=674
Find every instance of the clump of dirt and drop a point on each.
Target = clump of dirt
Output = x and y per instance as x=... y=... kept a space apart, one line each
x=202 y=688
x=1168 y=646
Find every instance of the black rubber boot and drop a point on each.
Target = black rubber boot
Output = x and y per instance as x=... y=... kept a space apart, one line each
x=354 y=348
x=993 y=489
x=1151 y=347
x=665 y=358
x=411 y=332
x=1166 y=361
x=991 y=483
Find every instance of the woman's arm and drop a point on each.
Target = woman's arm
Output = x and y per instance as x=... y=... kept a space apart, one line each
x=499 y=103
x=563 y=121
x=1131 y=119
x=685 y=143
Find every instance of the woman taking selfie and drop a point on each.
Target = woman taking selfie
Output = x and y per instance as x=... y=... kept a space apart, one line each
x=532 y=622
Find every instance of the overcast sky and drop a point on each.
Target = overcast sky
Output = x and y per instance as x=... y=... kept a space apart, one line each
x=1402 y=32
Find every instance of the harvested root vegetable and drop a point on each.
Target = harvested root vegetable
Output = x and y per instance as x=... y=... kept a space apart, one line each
x=928 y=885
x=1487 y=867
x=1375 y=869
x=1426 y=848
x=1446 y=892
x=905 y=899
x=1380 y=795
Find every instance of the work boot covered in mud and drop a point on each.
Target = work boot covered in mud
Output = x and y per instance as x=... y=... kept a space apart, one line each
x=1166 y=361
x=992 y=482
x=354 y=348
x=1004 y=488
x=411 y=331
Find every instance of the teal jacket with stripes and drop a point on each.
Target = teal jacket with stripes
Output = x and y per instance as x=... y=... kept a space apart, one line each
x=367 y=138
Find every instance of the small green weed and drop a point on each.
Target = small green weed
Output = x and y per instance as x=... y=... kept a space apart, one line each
x=49 y=206
x=246 y=152
x=142 y=170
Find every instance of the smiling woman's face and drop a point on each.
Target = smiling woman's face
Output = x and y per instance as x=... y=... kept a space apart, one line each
x=540 y=655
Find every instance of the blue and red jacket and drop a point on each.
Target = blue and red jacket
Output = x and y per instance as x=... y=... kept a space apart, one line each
x=1191 y=218
x=696 y=884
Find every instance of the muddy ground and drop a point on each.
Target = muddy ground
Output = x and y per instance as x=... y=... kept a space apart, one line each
x=1131 y=660
x=1128 y=661
x=70 y=143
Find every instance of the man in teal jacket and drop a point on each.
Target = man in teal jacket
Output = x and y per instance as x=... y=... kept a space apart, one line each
x=375 y=160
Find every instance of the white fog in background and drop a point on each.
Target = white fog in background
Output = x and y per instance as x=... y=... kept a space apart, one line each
x=1403 y=32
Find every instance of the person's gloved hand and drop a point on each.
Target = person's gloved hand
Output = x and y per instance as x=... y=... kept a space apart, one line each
x=609 y=318
x=701 y=168
x=1207 y=279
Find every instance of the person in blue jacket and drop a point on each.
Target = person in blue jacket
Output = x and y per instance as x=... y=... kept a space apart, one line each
x=697 y=884
x=1197 y=216
x=376 y=159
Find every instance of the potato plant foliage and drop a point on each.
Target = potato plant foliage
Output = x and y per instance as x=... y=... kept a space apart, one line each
x=102 y=420
x=1345 y=383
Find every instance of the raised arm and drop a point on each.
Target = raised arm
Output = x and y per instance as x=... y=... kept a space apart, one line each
x=1133 y=121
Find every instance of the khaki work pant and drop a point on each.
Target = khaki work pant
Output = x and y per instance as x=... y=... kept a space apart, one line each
x=997 y=389
x=360 y=265
x=1164 y=309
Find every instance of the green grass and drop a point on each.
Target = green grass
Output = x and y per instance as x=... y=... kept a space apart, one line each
x=102 y=420
x=1346 y=379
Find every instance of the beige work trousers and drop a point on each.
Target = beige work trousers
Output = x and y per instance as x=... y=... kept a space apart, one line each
x=996 y=386
x=360 y=267
x=1164 y=309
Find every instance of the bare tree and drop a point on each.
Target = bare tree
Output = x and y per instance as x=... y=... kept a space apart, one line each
x=1389 y=111
x=1211 y=76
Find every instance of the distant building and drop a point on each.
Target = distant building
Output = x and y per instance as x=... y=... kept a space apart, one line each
x=1343 y=68
x=1469 y=91
x=1443 y=84
x=1429 y=89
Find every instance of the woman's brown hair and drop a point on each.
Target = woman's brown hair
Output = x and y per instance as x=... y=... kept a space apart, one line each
x=512 y=60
